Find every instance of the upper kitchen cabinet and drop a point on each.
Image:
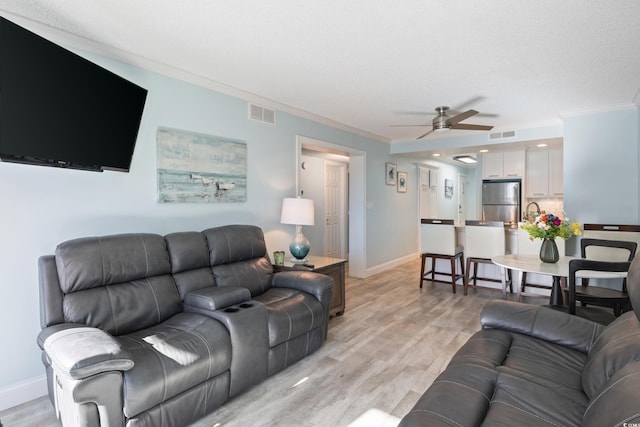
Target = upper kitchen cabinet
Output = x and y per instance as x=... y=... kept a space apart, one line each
x=544 y=174
x=509 y=164
x=428 y=177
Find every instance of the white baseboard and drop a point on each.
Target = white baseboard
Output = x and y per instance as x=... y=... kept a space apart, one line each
x=391 y=264
x=23 y=392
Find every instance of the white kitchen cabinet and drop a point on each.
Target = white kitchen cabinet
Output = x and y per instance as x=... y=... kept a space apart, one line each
x=492 y=165
x=513 y=164
x=509 y=164
x=537 y=174
x=556 y=179
x=544 y=174
x=428 y=198
x=428 y=177
x=428 y=202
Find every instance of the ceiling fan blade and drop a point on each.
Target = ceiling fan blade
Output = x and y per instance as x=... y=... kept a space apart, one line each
x=470 y=127
x=425 y=134
x=400 y=126
x=490 y=115
x=468 y=103
x=462 y=116
x=415 y=113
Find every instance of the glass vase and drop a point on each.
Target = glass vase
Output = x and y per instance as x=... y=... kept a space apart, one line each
x=549 y=251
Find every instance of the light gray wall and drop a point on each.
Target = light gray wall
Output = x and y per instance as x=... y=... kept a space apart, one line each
x=601 y=159
x=312 y=184
x=391 y=216
x=43 y=206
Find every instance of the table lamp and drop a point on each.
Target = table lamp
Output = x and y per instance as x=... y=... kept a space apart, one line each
x=299 y=212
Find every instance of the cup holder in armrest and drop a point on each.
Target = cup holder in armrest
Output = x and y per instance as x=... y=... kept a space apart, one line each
x=236 y=308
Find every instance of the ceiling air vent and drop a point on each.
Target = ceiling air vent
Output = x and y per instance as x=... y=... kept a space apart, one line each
x=501 y=135
x=262 y=114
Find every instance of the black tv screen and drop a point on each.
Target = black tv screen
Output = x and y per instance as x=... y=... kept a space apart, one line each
x=59 y=109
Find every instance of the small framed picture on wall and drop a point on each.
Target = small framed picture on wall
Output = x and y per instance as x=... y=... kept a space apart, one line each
x=390 y=172
x=402 y=182
x=448 y=188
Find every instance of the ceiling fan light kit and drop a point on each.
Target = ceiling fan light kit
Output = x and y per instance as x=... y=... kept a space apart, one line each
x=442 y=122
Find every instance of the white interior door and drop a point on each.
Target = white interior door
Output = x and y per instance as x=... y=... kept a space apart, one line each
x=335 y=182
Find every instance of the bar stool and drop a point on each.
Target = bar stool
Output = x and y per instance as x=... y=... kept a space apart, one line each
x=526 y=246
x=483 y=241
x=439 y=242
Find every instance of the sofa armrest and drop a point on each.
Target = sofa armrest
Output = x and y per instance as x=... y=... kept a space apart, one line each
x=541 y=322
x=80 y=352
x=214 y=298
x=50 y=330
x=318 y=285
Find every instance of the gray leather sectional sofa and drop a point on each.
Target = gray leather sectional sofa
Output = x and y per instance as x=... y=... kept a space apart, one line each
x=534 y=366
x=151 y=330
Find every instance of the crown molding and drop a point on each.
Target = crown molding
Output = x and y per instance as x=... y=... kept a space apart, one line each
x=74 y=41
x=601 y=109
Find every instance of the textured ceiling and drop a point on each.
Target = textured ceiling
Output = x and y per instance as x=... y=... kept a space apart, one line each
x=370 y=64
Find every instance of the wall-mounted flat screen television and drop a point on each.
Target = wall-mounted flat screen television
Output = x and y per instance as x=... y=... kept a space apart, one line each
x=59 y=109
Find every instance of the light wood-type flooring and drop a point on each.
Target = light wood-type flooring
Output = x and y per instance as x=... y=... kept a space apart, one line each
x=381 y=355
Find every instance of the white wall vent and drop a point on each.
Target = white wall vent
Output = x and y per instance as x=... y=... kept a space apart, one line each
x=262 y=114
x=500 y=135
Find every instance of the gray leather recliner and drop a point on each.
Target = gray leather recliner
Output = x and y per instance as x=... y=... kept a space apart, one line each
x=531 y=365
x=146 y=330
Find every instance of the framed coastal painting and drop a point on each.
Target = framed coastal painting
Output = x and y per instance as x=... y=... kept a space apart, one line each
x=390 y=173
x=198 y=168
x=402 y=182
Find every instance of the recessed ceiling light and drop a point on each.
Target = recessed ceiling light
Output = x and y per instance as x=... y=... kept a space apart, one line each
x=541 y=145
x=466 y=159
x=436 y=154
x=484 y=151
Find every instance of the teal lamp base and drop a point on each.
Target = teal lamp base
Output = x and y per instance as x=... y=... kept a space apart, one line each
x=299 y=247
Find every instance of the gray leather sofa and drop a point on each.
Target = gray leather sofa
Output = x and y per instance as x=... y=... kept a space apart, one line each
x=151 y=330
x=534 y=366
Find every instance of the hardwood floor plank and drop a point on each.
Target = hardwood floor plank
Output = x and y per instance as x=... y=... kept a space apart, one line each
x=391 y=343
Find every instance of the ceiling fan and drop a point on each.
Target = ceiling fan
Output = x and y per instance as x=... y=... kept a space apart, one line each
x=443 y=122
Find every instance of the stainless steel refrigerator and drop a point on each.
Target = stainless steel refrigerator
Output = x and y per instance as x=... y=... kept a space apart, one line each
x=501 y=201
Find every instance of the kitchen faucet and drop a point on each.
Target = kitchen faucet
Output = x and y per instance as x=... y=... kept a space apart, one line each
x=527 y=209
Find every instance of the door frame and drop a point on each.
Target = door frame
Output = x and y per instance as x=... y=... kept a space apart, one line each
x=356 y=210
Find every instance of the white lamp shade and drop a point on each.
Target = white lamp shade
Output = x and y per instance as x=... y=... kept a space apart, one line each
x=297 y=211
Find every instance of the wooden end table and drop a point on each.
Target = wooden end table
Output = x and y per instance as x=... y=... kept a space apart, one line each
x=332 y=267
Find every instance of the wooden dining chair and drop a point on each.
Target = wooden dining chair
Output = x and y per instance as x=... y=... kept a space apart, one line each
x=483 y=240
x=611 y=251
x=438 y=238
x=626 y=232
x=578 y=267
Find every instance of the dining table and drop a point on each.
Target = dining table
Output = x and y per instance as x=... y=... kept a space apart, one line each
x=533 y=264
x=557 y=270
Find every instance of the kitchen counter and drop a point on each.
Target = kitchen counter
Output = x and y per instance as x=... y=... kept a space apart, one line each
x=510 y=235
